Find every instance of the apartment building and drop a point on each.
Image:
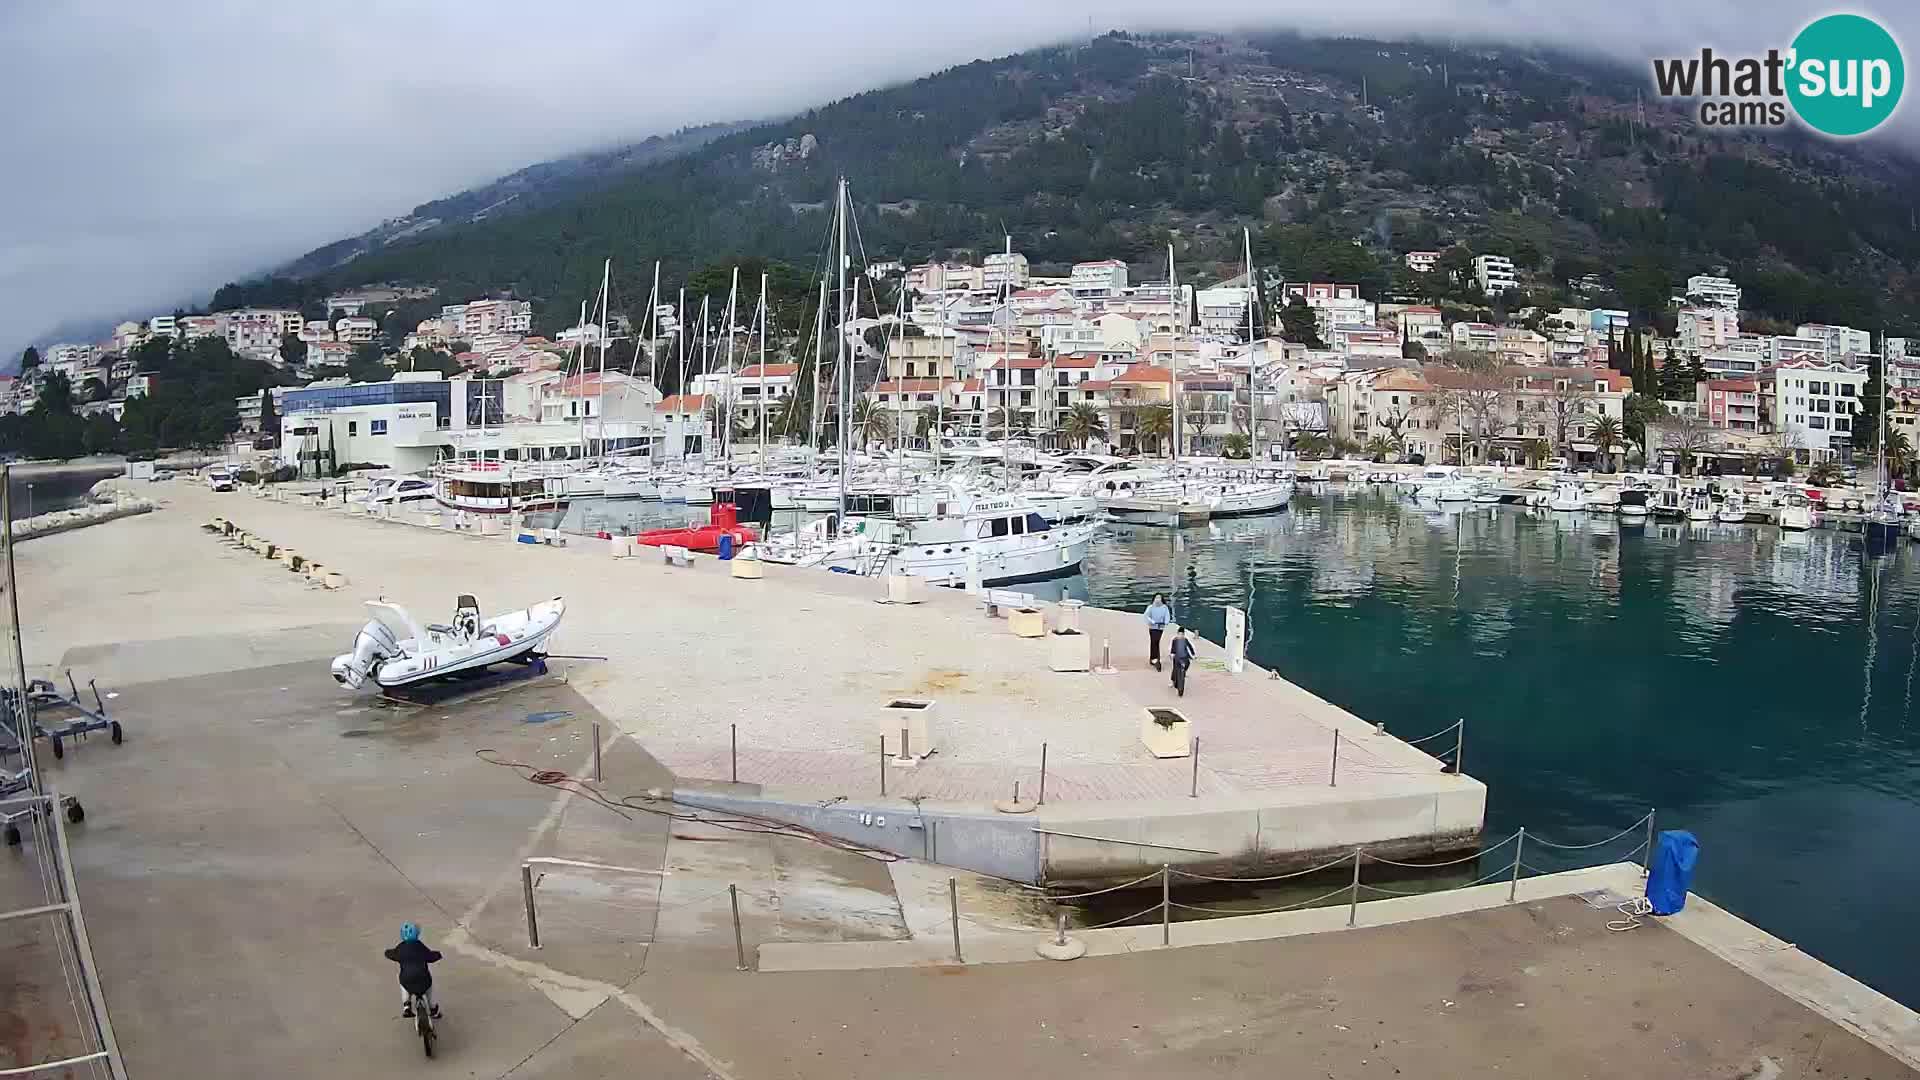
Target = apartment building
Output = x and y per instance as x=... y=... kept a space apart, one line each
x=1223 y=311
x=1098 y=280
x=1703 y=329
x=1422 y=262
x=355 y=330
x=1004 y=270
x=1733 y=404
x=1333 y=304
x=1494 y=273
x=1715 y=291
x=1817 y=400
x=1841 y=341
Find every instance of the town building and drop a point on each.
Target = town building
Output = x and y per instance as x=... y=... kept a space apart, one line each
x=1733 y=404
x=1841 y=341
x=603 y=396
x=329 y=353
x=398 y=424
x=1475 y=336
x=686 y=423
x=162 y=326
x=1717 y=291
x=1816 y=401
x=1494 y=273
x=1706 y=328
x=1004 y=271
x=1333 y=304
x=355 y=330
x=1422 y=262
x=1610 y=323
x=1223 y=311
x=1098 y=280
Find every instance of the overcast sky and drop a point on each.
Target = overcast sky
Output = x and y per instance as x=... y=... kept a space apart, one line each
x=158 y=148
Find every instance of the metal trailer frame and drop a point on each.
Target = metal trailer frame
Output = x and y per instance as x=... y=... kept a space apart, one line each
x=43 y=694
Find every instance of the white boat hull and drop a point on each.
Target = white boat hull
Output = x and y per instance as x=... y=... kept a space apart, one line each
x=438 y=652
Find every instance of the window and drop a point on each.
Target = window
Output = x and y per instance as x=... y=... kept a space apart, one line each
x=1019 y=526
x=1817 y=423
x=1026 y=377
x=353 y=427
x=1063 y=396
x=1841 y=423
x=376 y=427
x=1846 y=389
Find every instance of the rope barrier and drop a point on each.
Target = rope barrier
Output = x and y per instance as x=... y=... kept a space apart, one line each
x=1102 y=892
x=1452 y=862
x=1341 y=891
x=1128 y=918
x=1276 y=877
x=1597 y=843
x=1455 y=726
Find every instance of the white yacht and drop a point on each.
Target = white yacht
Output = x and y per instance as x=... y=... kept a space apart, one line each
x=1733 y=508
x=1567 y=496
x=394 y=490
x=1699 y=505
x=1797 y=512
x=487 y=488
x=1003 y=538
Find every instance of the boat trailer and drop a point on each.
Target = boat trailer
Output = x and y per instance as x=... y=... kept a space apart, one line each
x=14 y=720
x=467 y=683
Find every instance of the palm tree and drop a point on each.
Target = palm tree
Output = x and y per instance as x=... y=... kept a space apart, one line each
x=1083 y=423
x=1312 y=444
x=927 y=422
x=870 y=423
x=1899 y=453
x=1606 y=435
x=1378 y=448
x=1237 y=446
x=1156 y=425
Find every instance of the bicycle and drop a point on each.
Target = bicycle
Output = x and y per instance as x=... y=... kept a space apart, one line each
x=423 y=1021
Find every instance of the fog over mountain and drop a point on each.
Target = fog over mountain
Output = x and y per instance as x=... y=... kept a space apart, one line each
x=160 y=149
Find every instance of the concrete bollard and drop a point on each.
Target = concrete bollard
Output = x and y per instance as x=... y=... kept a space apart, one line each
x=334 y=580
x=1060 y=946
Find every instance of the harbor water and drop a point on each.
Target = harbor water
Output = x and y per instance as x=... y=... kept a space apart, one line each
x=1753 y=686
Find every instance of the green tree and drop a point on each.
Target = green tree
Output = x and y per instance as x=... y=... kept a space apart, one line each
x=1300 y=324
x=1605 y=435
x=1155 y=426
x=1082 y=424
x=421 y=358
x=1641 y=409
x=293 y=351
x=269 y=417
x=1237 y=447
x=1379 y=448
x=93 y=390
x=1866 y=419
x=926 y=422
x=29 y=359
x=1312 y=444
x=367 y=365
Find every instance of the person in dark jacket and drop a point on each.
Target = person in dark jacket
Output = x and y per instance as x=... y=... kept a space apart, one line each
x=1182 y=653
x=416 y=977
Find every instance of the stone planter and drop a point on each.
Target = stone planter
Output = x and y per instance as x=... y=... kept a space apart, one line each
x=1027 y=622
x=904 y=589
x=1069 y=650
x=746 y=569
x=906 y=725
x=1172 y=739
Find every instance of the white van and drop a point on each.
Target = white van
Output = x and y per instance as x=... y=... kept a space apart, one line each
x=220 y=478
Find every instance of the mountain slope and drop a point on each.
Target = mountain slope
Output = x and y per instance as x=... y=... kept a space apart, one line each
x=1114 y=147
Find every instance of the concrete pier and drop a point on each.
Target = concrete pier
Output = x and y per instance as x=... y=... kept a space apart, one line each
x=775 y=688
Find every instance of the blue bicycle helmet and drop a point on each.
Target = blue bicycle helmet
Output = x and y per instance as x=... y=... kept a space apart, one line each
x=409 y=932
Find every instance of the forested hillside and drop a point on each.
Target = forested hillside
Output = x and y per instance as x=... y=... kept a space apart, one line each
x=1339 y=154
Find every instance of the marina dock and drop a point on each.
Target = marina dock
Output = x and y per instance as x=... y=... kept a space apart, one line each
x=254 y=787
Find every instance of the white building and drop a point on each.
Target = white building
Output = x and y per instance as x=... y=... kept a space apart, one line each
x=1099 y=280
x=1223 y=311
x=492 y=316
x=612 y=395
x=162 y=326
x=1841 y=341
x=139 y=386
x=1717 y=291
x=1004 y=270
x=1817 y=401
x=1494 y=273
x=1783 y=348
x=258 y=330
x=1479 y=337
x=355 y=330
x=1333 y=304
x=1702 y=329
x=1422 y=262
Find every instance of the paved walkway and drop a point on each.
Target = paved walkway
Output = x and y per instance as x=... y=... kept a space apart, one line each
x=801 y=661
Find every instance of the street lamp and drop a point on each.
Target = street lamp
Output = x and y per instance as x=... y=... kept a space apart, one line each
x=29 y=500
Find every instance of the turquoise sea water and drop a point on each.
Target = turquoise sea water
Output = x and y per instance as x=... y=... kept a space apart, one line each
x=1753 y=686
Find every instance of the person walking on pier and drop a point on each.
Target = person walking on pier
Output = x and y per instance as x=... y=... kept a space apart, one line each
x=1182 y=652
x=1158 y=616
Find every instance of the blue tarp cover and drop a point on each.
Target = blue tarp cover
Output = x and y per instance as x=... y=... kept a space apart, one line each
x=1674 y=856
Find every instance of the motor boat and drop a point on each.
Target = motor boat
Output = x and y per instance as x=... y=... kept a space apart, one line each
x=1567 y=496
x=1243 y=500
x=723 y=521
x=1001 y=539
x=1797 y=512
x=485 y=487
x=1669 y=502
x=1601 y=499
x=1699 y=506
x=395 y=651
x=1487 y=494
x=1733 y=508
x=394 y=490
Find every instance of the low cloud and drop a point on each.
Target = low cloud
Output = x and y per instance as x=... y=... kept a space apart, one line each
x=160 y=149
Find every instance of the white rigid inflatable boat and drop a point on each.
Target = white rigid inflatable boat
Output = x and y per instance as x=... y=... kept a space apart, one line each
x=396 y=651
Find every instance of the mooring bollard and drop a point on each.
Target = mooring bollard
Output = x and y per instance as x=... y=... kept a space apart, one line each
x=1519 y=848
x=739 y=942
x=1042 y=800
x=1333 y=778
x=953 y=902
x=1194 y=792
x=596 y=751
x=1646 y=860
x=526 y=892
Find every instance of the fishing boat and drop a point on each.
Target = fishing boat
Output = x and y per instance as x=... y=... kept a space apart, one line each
x=395 y=651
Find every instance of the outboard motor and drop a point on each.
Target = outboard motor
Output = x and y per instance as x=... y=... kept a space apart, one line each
x=372 y=645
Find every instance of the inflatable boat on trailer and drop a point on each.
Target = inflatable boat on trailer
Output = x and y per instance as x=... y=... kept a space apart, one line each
x=394 y=651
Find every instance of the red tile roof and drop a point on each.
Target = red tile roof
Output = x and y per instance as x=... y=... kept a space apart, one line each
x=771 y=371
x=1075 y=360
x=683 y=403
x=1095 y=384
x=909 y=386
x=1144 y=373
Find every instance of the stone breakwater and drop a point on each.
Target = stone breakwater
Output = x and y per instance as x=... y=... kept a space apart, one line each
x=110 y=504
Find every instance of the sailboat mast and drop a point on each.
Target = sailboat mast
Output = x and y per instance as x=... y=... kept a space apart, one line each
x=606 y=328
x=726 y=413
x=1173 y=348
x=844 y=367
x=704 y=361
x=580 y=341
x=1253 y=390
x=819 y=361
x=762 y=403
